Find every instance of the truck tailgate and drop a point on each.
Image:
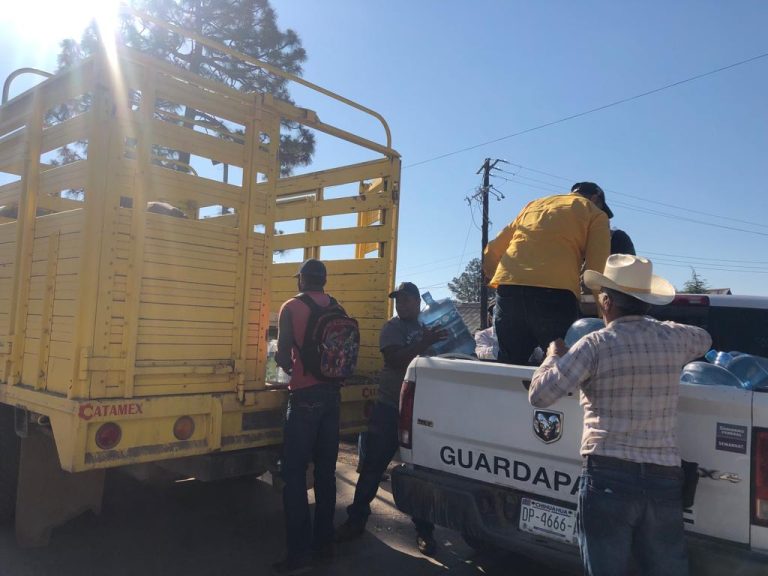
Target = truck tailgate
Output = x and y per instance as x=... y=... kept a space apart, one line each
x=473 y=419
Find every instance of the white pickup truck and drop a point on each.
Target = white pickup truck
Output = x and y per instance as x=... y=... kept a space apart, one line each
x=478 y=459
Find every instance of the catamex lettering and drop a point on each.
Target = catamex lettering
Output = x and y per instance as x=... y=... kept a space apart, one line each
x=518 y=470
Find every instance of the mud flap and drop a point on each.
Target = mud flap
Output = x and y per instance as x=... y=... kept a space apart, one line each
x=48 y=496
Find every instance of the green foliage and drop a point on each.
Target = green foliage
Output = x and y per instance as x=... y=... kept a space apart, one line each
x=466 y=287
x=248 y=26
x=695 y=285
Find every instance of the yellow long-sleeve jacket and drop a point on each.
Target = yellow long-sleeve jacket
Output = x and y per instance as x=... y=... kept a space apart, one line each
x=548 y=243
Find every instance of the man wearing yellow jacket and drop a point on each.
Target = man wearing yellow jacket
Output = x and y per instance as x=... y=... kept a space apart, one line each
x=535 y=266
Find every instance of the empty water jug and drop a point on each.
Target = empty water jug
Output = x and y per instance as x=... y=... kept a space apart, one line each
x=442 y=314
x=718 y=358
x=582 y=327
x=752 y=371
x=708 y=375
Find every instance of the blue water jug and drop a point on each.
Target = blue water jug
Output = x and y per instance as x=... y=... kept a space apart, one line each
x=582 y=327
x=443 y=314
x=752 y=371
x=718 y=358
x=708 y=375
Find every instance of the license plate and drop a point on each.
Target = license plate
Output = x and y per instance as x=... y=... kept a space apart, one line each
x=549 y=520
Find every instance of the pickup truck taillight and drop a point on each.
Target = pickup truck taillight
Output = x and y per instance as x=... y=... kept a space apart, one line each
x=407 y=393
x=760 y=478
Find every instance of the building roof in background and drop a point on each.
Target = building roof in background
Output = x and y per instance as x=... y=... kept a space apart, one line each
x=470 y=313
x=719 y=291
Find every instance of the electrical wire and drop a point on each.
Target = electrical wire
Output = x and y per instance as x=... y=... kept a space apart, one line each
x=591 y=110
x=640 y=198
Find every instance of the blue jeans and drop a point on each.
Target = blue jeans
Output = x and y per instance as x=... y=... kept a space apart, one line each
x=380 y=444
x=631 y=510
x=311 y=434
x=530 y=316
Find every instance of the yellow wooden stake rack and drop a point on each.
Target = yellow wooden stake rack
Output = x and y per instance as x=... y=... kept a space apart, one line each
x=114 y=317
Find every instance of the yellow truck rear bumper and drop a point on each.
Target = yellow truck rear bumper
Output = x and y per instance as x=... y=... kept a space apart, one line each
x=146 y=425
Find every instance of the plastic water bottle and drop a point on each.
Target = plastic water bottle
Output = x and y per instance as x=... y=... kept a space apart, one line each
x=718 y=358
x=275 y=374
x=442 y=314
x=708 y=374
x=582 y=327
x=752 y=371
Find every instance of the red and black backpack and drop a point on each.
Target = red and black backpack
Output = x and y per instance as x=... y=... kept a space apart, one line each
x=331 y=341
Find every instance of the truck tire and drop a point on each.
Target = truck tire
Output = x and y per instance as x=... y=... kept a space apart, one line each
x=10 y=447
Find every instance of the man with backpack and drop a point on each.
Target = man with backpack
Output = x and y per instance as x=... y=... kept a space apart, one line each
x=402 y=339
x=317 y=344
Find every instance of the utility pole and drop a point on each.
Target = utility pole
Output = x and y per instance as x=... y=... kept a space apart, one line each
x=486 y=168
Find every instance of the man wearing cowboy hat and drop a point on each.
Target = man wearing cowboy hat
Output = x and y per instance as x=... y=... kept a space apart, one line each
x=535 y=266
x=628 y=376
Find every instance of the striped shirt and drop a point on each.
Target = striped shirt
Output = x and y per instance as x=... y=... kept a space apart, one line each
x=628 y=375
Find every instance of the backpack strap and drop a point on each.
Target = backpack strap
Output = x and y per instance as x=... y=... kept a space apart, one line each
x=308 y=300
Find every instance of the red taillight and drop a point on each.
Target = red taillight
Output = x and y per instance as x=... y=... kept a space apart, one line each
x=407 y=393
x=108 y=436
x=760 y=478
x=690 y=300
x=184 y=428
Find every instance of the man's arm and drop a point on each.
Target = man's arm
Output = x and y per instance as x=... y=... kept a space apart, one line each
x=562 y=371
x=401 y=356
x=285 y=340
x=496 y=248
x=696 y=340
x=598 y=246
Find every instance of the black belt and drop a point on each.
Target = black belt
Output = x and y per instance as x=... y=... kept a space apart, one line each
x=629 y=466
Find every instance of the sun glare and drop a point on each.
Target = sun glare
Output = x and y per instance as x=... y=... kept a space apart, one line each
x=47 y=21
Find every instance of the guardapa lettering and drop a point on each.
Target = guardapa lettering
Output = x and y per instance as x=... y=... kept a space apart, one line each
x=518 y=470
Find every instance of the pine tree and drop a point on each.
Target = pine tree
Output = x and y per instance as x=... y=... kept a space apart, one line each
x=466 y=287
x=695 y=285
x=248 y=26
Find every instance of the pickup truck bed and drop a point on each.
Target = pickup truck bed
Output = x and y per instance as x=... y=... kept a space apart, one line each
x=480 y=460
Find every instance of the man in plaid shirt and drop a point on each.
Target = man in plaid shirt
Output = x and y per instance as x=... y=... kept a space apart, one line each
x=628 y=374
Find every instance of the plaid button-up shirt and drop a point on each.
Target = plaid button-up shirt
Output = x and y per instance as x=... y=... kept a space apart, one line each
x=628 y=375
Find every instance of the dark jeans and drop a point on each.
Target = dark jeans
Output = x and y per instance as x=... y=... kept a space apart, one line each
x=628 y=509
x=529 y=316
x=311 y=434
x=380 y=445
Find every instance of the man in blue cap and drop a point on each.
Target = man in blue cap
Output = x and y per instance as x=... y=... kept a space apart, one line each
x=402 y=339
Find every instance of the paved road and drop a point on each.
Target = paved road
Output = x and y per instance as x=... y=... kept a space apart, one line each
x=234 y=528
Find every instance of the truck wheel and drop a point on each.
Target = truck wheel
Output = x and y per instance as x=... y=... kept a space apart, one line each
x=10 y=448
x=477 y=544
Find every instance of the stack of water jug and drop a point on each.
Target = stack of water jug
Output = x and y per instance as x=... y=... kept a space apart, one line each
x=728 y=369
x=443 y=314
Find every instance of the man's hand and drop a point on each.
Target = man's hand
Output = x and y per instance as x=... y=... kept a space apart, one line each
x=557 y=348
x=434 y=334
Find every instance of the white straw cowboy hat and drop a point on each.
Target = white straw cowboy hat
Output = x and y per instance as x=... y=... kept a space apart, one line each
x=632 y=275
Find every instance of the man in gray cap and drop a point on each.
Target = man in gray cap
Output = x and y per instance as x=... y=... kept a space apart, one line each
x=402 y=339
x=311 y=432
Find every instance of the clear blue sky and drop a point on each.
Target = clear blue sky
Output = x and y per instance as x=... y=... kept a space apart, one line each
x=449 y=75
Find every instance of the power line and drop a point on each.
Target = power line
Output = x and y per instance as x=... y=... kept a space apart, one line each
x=709 y=259
x=645 y=210
x=591 y=110
x=686 y=219
x=640 y=198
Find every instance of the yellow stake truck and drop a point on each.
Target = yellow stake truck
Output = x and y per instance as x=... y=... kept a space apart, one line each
x=139 y=340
